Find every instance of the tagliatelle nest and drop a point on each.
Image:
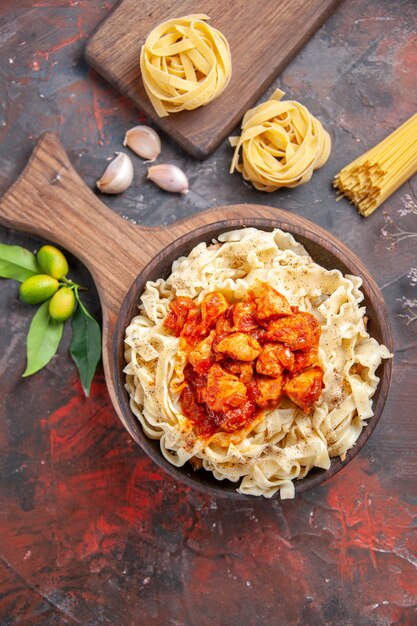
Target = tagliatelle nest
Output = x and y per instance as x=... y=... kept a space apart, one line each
x=185 y=63
x=282 y=144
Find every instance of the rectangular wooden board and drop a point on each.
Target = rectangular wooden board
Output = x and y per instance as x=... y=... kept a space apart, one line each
x=263 y=35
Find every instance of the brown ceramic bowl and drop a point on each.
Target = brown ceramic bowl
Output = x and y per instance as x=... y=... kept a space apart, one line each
x=325 y=250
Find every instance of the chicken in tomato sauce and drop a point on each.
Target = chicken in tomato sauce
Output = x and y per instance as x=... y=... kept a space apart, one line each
x=244 y=357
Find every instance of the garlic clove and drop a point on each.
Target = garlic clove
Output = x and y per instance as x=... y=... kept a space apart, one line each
x=118 y=175
x=144 y=141
x=168 y=177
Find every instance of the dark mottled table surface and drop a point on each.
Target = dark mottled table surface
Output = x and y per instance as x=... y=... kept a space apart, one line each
x=91 y=531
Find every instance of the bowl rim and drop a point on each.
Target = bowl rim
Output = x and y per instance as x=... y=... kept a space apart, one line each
x=301 y=228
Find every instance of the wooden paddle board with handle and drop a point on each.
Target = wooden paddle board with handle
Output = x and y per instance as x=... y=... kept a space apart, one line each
x=263 y=35
x=50 y=200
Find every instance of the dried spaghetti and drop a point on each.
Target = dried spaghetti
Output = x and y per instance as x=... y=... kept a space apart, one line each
x=282 y=144
x=185 y=63
x=369 y=180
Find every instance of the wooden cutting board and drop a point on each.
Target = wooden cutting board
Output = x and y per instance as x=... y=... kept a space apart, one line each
x=50 y=200
x=263 y=35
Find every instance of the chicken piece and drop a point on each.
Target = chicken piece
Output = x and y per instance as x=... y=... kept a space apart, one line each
x=243 y=370
x=244 y=316
x=192 y=331
x=224 y=391
x=285 y=356
x=190 y=407
x=239 y=346
x=259 y=334
x=269 y=362
x=236 y=418
x=196 y=381
x=299 y=331
x=224 y=323
x=305 y=358
x=268 y=391
x=270 y=303
x=212 y=306
x=179 y=309
x=305 y=389
x=201 y=357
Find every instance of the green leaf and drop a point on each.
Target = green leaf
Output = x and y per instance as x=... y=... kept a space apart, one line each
x=43 y=339
x=85 y=345
x=17 y=263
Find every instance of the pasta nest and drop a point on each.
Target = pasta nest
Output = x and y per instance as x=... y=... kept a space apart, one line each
x=282 y=144
x=185 y=64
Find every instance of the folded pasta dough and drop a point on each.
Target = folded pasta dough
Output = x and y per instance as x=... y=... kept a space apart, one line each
x=185 y=64
x=281 y=143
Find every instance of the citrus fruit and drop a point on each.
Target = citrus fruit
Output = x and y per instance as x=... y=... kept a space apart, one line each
x=52 y=261
x=38 y=288
x=62 y=304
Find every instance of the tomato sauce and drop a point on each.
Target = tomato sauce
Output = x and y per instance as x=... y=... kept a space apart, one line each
x=243 y=357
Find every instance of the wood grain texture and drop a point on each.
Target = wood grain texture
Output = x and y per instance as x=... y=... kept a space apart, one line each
x=263 y=37
x=50 y=199
x=93 y=531
x=324 y=249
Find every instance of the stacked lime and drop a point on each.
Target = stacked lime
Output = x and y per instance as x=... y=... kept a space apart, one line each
x=52 y=285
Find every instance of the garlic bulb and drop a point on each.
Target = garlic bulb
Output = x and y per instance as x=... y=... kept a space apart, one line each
x=118 y=175
x=144 y=141
x=168 y=177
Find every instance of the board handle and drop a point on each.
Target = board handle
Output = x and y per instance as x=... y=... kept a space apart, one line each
x=50 y=200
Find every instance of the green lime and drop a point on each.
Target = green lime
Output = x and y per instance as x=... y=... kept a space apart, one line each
x=62 y=304
x=52 y=261
x=38 y=288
